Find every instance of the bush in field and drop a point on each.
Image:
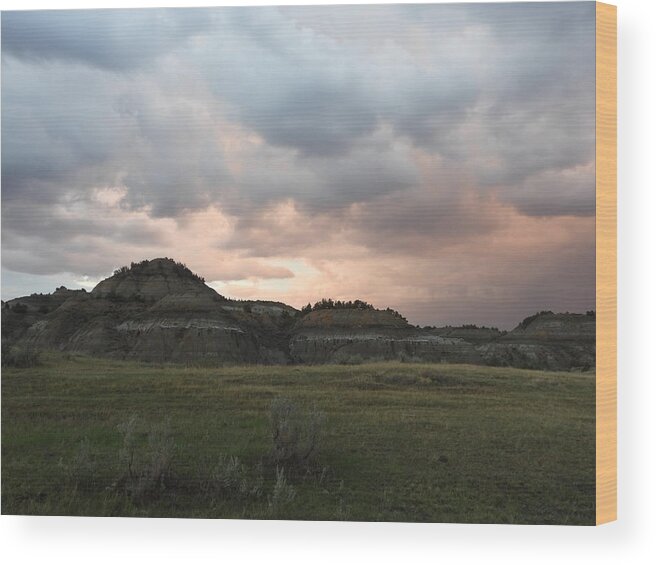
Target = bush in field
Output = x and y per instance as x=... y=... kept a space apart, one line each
x=159 y=455
x=296 y=433
x=229 y=478
x=128 y=450
x=283 y=493
x=145 y=470
x=82 y=469
x=20 y=357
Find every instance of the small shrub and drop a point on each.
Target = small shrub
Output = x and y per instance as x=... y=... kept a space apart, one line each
x=354 y=359
x=343 y=510
x=283 y=493
x=81 y=470
x=145 y=469
x=408 y=358
x=161 y=448
x=296 y=434
x=229 y=479
x=230 y=473
x=127 y=451
x=19 y=308
x=20 y=357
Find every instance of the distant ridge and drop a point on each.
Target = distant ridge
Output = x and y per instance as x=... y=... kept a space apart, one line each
x=159 y=310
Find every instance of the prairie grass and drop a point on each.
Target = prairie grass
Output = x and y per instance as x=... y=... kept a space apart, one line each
x=400 y=442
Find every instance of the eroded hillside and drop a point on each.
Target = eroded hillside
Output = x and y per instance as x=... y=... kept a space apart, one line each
x=159 y=311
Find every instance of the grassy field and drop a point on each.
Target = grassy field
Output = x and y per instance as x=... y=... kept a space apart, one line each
x=401 y=442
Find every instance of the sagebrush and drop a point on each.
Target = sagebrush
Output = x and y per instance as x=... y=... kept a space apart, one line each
x=296 y=433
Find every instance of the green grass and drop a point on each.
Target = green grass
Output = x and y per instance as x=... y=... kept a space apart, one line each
x=403 y=442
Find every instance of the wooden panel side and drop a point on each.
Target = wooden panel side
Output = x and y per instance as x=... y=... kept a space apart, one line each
x=606 y=233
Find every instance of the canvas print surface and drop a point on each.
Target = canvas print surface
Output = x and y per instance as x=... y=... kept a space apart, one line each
x=315 y=263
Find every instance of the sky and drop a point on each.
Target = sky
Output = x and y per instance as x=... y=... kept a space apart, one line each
x=436 y=159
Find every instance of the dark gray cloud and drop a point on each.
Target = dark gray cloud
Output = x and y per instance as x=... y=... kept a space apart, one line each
x=109 y=39
x=314 y=93
x=71 y=129
x=390 y=129
x=532 y=62
x=506 y=91
x=297 y=88
x=58 y=123
x=566 y=192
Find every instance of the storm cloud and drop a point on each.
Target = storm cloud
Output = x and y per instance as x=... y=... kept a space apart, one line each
x=394 y=153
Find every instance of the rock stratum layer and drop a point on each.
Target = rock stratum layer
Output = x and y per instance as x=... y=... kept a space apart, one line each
x=159 y=311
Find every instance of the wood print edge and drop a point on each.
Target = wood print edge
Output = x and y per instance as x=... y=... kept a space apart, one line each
x=606 y=262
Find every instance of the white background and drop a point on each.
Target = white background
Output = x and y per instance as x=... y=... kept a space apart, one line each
x=632 y=539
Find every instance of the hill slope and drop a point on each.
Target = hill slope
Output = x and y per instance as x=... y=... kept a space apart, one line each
x=160 y=311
